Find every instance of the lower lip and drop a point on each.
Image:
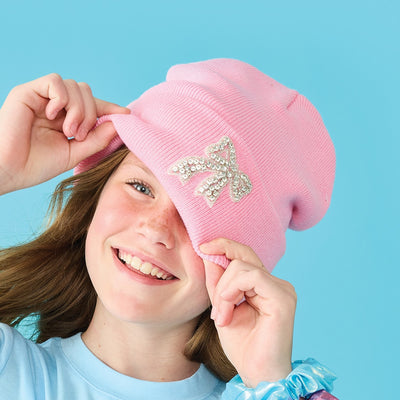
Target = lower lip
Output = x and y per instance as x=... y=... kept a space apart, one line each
x=138 y=276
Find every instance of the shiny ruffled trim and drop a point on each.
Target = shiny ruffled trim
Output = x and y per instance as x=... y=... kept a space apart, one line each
x=307 y=377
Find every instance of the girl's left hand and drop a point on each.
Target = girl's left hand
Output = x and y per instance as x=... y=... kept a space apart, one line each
x=257 y=334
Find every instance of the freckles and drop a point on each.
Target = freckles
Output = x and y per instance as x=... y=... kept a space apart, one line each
x=160 y=221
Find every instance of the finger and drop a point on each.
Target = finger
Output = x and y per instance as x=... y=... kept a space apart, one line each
x=239 y=282
x=96 y=140
x=246 y=280
x=105 y=107
x=217 y=280
x=90 y=115
x=232 y=250
x=224 y=314
x=236 y=268
x=265 y=293
x=222 y=309
x=50 y=87
x=213 y=273
x=59 y=98
x=75 y=108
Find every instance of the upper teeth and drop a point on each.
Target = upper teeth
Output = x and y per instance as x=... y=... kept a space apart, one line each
x=144 y=267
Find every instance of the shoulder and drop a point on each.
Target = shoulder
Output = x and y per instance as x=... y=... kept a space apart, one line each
x=5 y=341
x=10 y=340
x=15 y=363
x=13 y=345
x=23 y=364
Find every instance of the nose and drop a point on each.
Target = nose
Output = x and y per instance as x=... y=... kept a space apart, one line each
x=160 y=225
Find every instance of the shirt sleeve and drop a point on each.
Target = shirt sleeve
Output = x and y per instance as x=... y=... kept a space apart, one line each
x=17 y=376
x=6 y=343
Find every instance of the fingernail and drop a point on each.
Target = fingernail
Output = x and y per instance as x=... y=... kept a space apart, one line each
x=126 y=109
x=81 y=132
x=213 y=313
x=53 y=114
x=73 y=129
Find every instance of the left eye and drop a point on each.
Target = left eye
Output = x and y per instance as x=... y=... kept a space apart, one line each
x=141 y=187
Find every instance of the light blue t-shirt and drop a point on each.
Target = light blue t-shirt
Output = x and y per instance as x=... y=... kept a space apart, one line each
x=66 y=369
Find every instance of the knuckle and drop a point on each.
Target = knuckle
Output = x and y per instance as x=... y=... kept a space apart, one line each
x=54 y=77
x=235 y=265
x=71 y=83
x=294 y=296
x=291 y=294
x=291 y=289
x=84 y=86
x=17 y=90
x=258 y=274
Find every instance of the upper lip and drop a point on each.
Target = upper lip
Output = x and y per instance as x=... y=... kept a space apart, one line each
x=144 y=258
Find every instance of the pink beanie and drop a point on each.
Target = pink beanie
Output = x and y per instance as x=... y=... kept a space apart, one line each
x=240 y=155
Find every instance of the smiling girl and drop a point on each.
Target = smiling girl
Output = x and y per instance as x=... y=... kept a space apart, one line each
x=153 y=277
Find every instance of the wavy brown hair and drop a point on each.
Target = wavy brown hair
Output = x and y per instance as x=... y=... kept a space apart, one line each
x=47 y=277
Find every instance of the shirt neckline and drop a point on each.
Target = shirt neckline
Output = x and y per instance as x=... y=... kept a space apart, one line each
x=100 y=375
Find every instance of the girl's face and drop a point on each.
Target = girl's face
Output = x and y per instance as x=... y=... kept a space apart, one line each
x=138 y=253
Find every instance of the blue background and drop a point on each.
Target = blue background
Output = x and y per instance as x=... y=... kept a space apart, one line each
x=343 y=55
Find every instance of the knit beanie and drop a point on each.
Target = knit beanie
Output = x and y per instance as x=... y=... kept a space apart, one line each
x=240 y=155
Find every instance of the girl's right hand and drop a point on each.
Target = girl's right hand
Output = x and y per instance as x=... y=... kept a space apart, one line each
x=37 y=121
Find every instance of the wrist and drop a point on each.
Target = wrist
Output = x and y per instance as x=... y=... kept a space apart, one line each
x=271 y=375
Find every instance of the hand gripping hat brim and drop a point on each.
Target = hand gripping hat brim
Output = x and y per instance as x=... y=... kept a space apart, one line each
x=240 y=155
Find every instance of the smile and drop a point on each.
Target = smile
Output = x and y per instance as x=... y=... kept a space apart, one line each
x=146 y=268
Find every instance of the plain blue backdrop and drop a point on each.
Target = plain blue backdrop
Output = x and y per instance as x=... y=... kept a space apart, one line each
x=343 y=55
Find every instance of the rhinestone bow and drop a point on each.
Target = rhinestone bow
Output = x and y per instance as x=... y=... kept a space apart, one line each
x=221 y=161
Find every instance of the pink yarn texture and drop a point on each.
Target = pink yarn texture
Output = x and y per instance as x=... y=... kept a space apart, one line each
x=280 y=145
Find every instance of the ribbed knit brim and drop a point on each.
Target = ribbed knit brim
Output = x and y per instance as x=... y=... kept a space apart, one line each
x=279 y=158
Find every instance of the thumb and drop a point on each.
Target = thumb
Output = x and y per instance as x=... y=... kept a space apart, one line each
x=213 y=273
x=96 y=140
x=105 y=107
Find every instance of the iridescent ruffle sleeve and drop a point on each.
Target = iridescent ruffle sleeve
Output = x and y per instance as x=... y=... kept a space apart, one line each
x=322 y=395
x=307 y=378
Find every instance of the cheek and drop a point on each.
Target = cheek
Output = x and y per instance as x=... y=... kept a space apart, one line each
x=111 y=213
x=98 y=230
x=108 y=219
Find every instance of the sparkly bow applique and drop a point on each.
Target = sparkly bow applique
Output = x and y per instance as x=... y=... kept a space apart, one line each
x=224 y=168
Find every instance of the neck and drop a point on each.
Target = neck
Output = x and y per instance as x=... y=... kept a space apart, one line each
x=141 y=350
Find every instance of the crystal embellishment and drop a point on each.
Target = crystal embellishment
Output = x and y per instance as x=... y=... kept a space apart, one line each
x=220 y=160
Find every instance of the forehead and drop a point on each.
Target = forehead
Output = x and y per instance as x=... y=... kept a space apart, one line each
x=132 y=161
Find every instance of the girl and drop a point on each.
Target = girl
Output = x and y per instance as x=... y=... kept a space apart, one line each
x=152 y=279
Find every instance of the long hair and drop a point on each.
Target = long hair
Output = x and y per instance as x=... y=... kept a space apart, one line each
x=47 y=277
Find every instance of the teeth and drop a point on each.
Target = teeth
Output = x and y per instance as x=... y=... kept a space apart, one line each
x=136 y=262
x=144 y=267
